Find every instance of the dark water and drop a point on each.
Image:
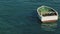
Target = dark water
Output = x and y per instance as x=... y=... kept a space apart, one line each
x=20 y=16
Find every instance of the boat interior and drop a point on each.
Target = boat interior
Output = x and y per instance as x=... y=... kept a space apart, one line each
x=50 y=13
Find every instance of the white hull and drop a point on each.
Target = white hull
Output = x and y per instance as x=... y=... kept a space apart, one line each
x=48 y=18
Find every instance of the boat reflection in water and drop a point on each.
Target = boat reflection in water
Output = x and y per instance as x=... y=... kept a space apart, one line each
x=49 y=18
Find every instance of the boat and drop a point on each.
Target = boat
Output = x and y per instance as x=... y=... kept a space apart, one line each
x=47 y=14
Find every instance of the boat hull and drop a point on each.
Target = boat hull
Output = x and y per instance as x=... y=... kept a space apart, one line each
x=49 y=19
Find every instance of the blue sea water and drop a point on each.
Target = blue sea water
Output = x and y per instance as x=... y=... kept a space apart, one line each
x=20 y=16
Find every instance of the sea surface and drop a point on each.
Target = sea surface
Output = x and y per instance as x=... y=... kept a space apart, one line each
x=20 y=16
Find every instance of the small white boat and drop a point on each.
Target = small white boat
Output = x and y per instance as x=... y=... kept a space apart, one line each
x=47 y=14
